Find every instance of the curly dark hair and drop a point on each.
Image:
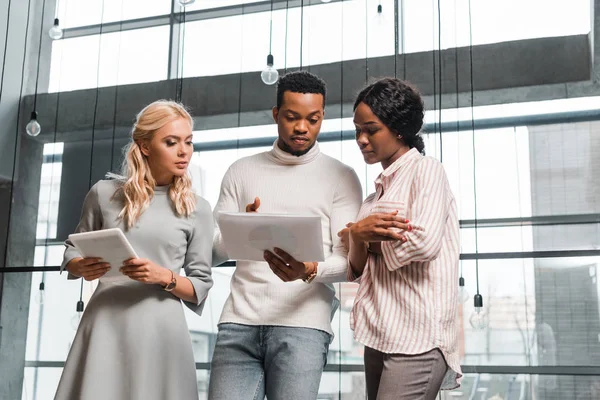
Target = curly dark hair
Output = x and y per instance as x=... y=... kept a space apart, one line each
x=399 y=106
x=300 y=82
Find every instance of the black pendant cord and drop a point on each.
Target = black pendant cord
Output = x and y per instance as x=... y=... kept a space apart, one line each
x=456 y=91
x=271 y=30
x=433 y=67
x=116 y=98
x=403 y=43
x=285 y=45
x=342 y=80
x=239 y=116
x=301 y=30
x=56 y=8
x=477 y=299
x=366 y=44
x=80 y=304
x=53 y=162
x=341 y=154
x=179 y=83
x=396 y=41
x=37 y=74
x=42 y=286
x=440 y=77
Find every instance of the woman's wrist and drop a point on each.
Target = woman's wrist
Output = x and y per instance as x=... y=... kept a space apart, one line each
x=356 y=241
x=166 y=277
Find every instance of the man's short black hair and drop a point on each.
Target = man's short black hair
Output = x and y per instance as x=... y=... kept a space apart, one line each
x=300 y=82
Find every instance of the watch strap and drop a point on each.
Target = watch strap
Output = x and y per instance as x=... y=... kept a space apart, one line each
x=171 y=285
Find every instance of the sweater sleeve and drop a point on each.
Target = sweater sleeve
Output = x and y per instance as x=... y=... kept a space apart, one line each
x=90 y=220
x=228 y=202
x=198 y=257
x=429 y=215
x=346 y=203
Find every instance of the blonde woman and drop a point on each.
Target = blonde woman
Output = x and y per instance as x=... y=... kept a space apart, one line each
x=133 y=341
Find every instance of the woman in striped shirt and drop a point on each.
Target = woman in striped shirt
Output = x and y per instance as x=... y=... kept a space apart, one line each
x=404 y=250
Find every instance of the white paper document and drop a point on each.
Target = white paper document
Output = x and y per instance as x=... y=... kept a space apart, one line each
x=247 y=235
x=109 y=244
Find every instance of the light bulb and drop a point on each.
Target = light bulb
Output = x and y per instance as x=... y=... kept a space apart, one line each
x=325 y=1
x=269 y=75
x=478 y=320
x=55 y=32
x=75 y=320
x=41 y=294
x=463 y=294
x=33 y=128
x=186 y=2
x=77 y=317
x=380 y=16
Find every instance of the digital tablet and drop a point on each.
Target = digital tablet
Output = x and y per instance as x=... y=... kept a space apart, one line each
x=247 y=235
x=110 y=245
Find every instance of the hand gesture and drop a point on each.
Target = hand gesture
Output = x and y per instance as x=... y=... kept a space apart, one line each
x=88 y=268
x=145 y=271
x=286 y=267
x=253 y=207
x=378 y=228
x=344 y=235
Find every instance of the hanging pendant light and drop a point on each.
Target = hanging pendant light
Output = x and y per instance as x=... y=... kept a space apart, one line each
x=56 y=31
x=41 y=294
x=479 y=319
x=33 y=128
x=270 y=75
x=78 y=313
x=380 y=18
x=463 y=294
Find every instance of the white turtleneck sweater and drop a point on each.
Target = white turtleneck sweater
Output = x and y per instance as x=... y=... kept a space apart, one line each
x=310 y=184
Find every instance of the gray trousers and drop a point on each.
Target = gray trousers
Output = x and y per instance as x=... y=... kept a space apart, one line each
x=404 y=376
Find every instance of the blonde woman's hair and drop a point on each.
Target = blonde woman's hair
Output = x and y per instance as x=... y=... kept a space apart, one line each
x=138 y=183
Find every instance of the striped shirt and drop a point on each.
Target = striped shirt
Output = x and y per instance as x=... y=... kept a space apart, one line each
x=407 y=302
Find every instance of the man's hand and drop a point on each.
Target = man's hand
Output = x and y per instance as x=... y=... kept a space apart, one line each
x=344 y=235
x=145 y=271
x=253 y=207
x=286 y=267
x=88 y=268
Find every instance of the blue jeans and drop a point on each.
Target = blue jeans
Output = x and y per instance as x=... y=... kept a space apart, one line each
x=280 y=362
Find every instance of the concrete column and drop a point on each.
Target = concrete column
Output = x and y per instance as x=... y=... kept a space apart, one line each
x=20 y=168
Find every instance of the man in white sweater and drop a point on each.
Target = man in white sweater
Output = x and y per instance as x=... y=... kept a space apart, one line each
x=275 y=329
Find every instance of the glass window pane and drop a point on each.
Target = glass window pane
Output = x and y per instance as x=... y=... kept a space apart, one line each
x=135 y=56
x=537 y=311
x=214 y=164
x=535 y=19
x=330 y=32
x=41 y=383
x=504 y=239
x=208 y=4
x=74 y=13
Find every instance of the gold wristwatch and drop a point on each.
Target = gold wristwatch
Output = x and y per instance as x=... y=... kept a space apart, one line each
x=171 y=285
x=311 y=277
